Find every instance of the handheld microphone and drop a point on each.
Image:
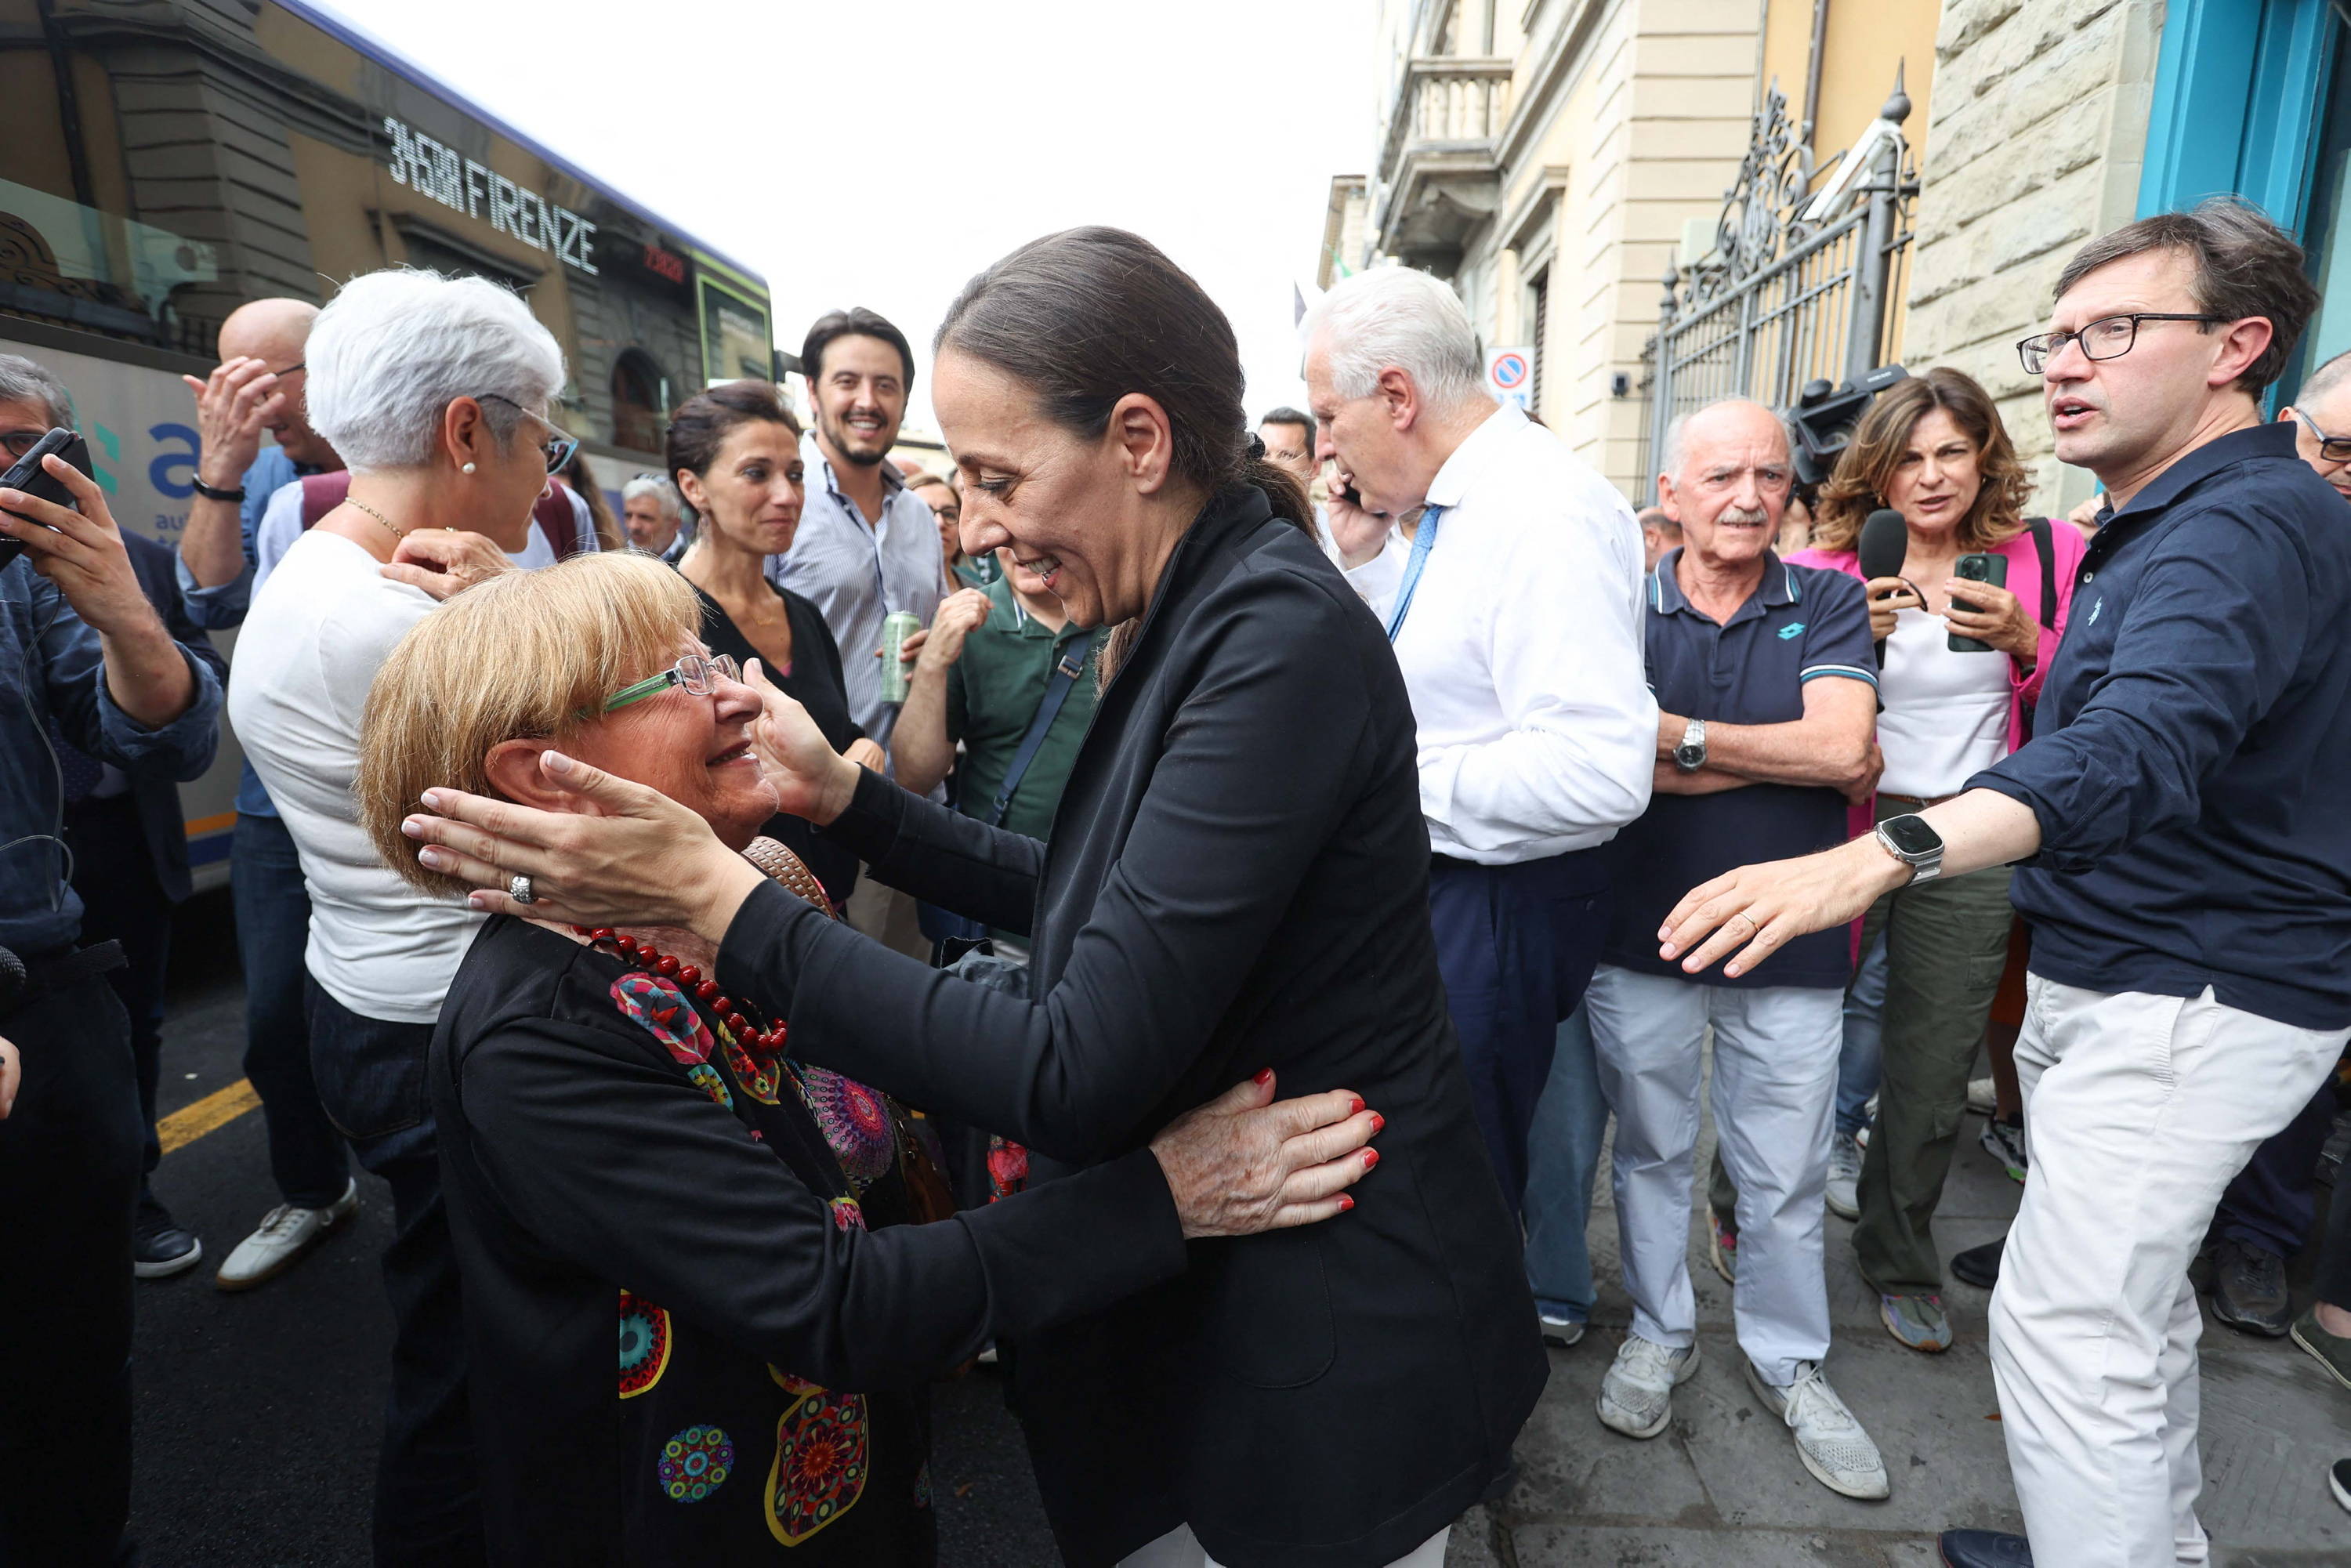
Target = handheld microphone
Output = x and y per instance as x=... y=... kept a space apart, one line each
x=12 y=981
x=1885 y=541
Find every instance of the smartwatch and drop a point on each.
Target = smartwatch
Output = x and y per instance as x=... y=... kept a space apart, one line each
x=211 y=493
x=1910 y=839
x=1691 y=755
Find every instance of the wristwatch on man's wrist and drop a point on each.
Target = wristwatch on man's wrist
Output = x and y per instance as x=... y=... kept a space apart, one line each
x=1691 y=755
x=1911 y=840
x=215 y=493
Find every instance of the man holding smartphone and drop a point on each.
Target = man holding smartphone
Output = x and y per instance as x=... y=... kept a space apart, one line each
x=2186 y=867
x=83 y=656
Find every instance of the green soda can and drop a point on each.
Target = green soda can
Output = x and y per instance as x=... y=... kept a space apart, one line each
x=896 y=627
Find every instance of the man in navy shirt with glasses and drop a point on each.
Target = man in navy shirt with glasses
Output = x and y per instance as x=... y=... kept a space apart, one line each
x=2185 y=867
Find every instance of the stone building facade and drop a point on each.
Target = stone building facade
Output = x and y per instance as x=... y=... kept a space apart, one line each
x=2038 y=144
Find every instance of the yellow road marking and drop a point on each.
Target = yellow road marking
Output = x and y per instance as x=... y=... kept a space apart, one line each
x=209 y=1115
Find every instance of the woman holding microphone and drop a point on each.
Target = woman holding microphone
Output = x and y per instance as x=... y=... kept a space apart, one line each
x=1238 y=881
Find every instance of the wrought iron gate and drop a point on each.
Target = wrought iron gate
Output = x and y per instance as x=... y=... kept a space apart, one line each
x=1802 y=284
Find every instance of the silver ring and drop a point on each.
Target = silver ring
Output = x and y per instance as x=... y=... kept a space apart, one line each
x=518 y=889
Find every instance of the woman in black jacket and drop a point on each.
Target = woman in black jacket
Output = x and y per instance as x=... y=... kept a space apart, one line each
x=1237 y=878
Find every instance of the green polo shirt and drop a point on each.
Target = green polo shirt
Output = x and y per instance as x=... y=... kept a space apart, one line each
x=992 y=694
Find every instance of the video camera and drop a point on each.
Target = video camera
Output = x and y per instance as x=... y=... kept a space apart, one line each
x=1823 y=420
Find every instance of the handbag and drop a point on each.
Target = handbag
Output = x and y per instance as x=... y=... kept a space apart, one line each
x=953 y=934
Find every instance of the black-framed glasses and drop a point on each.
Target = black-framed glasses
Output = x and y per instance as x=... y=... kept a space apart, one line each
x=693 y=671
x=2107 y=337
x=2333 y=448
x=560 y=446
x=17 y=443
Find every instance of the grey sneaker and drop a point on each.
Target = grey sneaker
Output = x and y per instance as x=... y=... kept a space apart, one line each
x=1918 y=1321
x=1983 y=1099
x=2004 y=1141
x=2331 y=1352
x=284 y=1234
x=1559 y=1333
x=1844 y=1176
x=1636 y=1397
x=1828 y=1439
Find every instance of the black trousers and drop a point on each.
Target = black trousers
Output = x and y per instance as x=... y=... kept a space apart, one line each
x=1516 y=944
x=2273 y=1200
x=68 y=1184
x=372 y=1082
x=121 y=901
x=2335 y=1252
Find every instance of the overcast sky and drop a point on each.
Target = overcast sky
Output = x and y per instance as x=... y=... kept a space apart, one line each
x=879 y=152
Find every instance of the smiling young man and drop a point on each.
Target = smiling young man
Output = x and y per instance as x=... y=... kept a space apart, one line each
x=2186 y=867
x=868 y=546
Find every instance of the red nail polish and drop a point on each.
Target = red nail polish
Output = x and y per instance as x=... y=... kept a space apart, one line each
x=1371 y=1158
x=1265 y=1076
x=1345 y=1203
x=1357 y=1107
x=1379 y=1123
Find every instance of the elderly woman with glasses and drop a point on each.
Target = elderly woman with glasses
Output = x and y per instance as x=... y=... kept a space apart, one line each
x=628 y=1151
x=436 y=392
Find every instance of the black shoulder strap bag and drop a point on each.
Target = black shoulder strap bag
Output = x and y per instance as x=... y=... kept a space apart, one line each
x=953 y=935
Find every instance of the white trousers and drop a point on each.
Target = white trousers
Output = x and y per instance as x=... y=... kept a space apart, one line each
x=2139 y=1109
x=1775 y=1067
x=1179 y=1548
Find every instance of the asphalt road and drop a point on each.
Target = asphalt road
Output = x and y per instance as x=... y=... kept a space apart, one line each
x=258 y=1413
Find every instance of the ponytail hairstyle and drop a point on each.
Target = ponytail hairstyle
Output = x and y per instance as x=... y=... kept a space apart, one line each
x=1086 y=316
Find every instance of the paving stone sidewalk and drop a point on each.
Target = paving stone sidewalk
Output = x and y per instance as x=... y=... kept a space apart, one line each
x=1722 y=1488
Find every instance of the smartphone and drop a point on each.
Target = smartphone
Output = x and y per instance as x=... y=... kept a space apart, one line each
x=1978 y=568
x=28 y=475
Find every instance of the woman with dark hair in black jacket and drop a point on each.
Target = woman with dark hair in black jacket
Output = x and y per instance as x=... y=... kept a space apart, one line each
x=1237 y=879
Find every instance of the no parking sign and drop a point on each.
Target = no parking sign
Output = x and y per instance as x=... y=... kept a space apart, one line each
x=1510 y=376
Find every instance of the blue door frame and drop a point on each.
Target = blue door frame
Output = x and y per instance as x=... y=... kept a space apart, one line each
x=2239 y=91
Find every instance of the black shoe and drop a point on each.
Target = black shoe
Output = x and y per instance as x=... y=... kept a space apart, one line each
x=2249 y=1292
x=1983 y=1549
x=159 y=1247
x=1979 y=1266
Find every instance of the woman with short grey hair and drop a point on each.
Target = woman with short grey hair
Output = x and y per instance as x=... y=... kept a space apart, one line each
x=436 y=392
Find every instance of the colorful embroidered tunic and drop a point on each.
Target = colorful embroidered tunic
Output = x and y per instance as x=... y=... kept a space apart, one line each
x=702 y=1332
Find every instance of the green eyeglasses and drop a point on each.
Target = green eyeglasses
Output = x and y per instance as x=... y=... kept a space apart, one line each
x=696 y=673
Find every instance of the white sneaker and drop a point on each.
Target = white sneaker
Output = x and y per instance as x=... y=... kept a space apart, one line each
x=1828 y=1439
x=1636 y=1397
x=1982 y=1098
x=284 y=1233
x=1844 y=1176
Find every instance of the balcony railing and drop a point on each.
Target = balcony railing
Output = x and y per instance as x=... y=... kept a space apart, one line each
x=1438 y=174
x=1449 y=101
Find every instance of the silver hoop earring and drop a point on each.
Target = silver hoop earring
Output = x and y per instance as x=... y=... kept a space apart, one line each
x=468 y=468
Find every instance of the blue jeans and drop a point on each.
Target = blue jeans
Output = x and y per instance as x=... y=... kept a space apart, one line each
x=273 y=927
x=371 y=1077
x=1864 y=1009
x=1562 y=1154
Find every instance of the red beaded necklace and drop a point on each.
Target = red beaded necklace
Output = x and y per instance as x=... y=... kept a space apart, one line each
x=726 y=1009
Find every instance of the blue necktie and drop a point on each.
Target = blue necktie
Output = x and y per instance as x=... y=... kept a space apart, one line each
x=1424 y=539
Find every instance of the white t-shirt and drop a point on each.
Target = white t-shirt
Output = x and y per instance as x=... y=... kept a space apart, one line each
x=318 y=630
x=1946 y=715
x=281 y=525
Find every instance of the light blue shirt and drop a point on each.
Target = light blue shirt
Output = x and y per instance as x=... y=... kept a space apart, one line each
x=856 y=573
x=222 y=605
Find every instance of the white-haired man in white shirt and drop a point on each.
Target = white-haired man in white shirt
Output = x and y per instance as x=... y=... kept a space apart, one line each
x=1514 y=604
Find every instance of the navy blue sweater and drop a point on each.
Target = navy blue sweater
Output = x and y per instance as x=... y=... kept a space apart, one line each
x=2190 y=755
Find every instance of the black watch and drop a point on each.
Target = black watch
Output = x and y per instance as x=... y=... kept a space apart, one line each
x=209 y=494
